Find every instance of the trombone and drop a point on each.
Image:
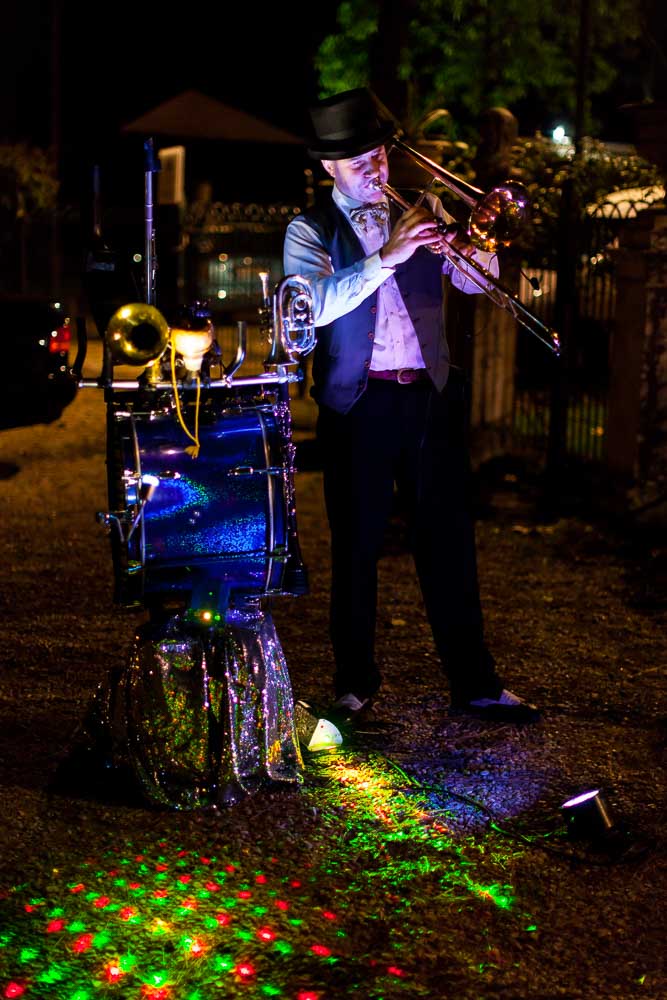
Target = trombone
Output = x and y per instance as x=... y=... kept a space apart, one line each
x=495 y=219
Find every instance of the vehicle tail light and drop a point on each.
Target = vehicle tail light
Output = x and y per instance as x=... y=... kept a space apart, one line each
x=60 y=339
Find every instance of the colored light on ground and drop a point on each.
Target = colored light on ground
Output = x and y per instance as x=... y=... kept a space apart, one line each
x=54 y=926
x=196 y=947
x=82 y=943
x=307 y=995
x=266 y=934
x=155 y=992
x=113 y=972
x=14 y=990
x=222 y=919
x=394 y=970
x=320 y=949
x=245 y=970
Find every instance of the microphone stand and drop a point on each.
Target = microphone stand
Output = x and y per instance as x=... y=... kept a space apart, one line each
x=152 y=166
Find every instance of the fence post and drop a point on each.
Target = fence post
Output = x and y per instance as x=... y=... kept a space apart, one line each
x=565 y=308
x=637 y=423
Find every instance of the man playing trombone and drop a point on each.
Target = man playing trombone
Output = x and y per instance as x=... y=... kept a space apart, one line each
x=391 y=410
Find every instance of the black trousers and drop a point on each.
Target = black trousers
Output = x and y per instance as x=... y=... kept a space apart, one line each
x=412 y=438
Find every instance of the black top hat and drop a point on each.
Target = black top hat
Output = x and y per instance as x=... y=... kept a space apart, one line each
x=349 y=124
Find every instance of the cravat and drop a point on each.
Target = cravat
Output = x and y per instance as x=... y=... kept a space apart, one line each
x=377 y=212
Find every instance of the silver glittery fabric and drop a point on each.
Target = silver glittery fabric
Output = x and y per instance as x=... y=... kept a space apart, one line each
x=203 y=716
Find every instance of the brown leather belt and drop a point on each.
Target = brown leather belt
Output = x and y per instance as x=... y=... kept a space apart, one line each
x=404 y=376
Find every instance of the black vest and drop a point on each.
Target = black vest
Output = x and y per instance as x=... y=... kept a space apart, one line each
x=344 y=348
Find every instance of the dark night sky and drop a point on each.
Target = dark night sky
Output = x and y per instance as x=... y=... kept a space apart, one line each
x=121 y=59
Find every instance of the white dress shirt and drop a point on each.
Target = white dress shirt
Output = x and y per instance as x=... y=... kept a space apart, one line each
x=336 y=293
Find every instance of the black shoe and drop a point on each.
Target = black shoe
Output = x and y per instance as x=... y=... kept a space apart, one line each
x=348 y=710
x=507 y=707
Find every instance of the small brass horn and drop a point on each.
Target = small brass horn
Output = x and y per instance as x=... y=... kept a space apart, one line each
x=137 y=334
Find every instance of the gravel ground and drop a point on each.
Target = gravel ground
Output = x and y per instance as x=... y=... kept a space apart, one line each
x=427 y=859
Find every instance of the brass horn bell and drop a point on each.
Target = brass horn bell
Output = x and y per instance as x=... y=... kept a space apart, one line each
x=137 y=334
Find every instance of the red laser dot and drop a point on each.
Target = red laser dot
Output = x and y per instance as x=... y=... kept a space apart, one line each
x=139 y=857
x=197 y=947
x=82 y=943
x=160 y=894
x=212 y=886
x=101 y=902
x=266 y=934
x=189 y=904
x=282 y=905
x=54 y=926
x=112 y=873
x=161 y=868
x=14 y=990
x=245 y=970
x=113 y=973
x=244 y=894
x=134 y=885
x=181 y=854
x=295 y=884
x=223 y=919
x=155 y=992
x=261 y=879
x=320 y=949
x=307 y=995
x=77 y=888
x=205 y=861
x=394 y=970
x=185 y=879
x=127 y=913
x=328 y=915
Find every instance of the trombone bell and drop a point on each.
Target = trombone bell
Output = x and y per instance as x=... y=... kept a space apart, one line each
x=496 y=217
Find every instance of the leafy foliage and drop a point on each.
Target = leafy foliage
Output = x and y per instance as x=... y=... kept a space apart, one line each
x=473 y=54
x=28 y=183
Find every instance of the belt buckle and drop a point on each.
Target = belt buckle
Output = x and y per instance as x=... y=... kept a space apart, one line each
x=401 y=376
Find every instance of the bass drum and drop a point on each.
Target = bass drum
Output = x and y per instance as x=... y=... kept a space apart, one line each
x=200 y=532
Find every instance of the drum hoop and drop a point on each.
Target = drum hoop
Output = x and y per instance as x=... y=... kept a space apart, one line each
x=271 y=530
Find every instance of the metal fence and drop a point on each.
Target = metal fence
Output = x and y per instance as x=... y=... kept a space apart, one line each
x=585 y=378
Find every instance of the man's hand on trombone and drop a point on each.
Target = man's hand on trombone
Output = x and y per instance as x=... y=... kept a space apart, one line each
x=418 y=227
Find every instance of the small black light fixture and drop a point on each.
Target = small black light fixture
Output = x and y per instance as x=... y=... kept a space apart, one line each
x=587 y=815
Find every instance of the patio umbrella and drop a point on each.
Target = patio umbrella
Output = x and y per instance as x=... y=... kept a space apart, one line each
x=194 y=115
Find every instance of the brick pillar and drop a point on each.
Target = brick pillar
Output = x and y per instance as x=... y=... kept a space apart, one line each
x=637 y=422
